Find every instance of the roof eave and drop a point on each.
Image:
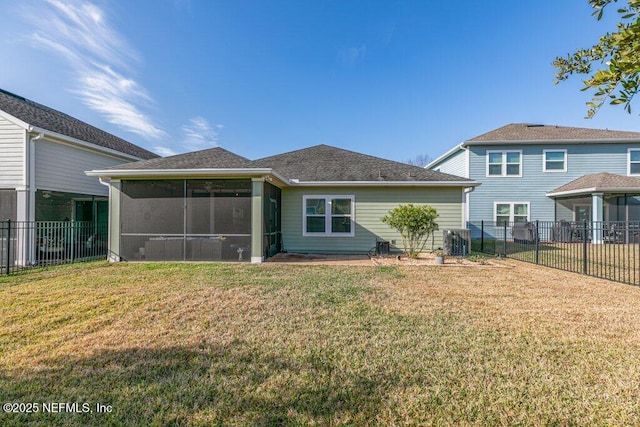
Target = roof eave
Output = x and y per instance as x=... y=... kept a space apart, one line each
x=384 y=183
x=159 y=173
x=551 y=141
x=13 y=119
x=587 y=191
x=443 y=157
x=85 y=144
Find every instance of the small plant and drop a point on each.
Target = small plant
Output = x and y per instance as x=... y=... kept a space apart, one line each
x=415 y=224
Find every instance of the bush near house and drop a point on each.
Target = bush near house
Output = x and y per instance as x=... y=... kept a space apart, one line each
x=415 y=224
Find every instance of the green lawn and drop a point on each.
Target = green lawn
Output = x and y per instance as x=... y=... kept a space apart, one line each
x=229 y=344
x=618 y=262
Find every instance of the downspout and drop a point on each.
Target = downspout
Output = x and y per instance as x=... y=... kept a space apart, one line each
x=104 y=183
x=31 y=176
x=109 y=218
x=467 y=191
x=30 y=184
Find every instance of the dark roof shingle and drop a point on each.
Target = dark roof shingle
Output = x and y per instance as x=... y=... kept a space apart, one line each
x=327 y=163
x=598 y=182
x=530 y=132
x=46 y=118
x=211 y=158
x=321 y=163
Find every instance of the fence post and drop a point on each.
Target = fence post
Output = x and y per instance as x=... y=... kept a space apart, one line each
x=8 y=245
x=504 y=237
x=537 y=240
x=585 y=270
x=482 y=236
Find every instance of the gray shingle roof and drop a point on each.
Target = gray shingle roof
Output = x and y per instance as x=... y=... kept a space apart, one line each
x=321 y=163
x=46 y=118
x=530 y=132
x=212 y=158
x=602 y=181
x=327 y=163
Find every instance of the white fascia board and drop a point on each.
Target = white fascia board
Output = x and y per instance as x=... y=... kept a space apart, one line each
x=14 y=120
x=85 y=144
x=159 y=173
x=554 y=142
x=385 y=183
x=583 y=191
x=444 y=156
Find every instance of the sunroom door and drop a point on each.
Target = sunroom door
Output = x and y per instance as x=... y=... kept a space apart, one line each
x=582 y=213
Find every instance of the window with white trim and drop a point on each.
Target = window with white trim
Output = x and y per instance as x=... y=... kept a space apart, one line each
x=511 y=212
x=634 y=161
x=328 y=215
x=554 y=160
x=504 y=163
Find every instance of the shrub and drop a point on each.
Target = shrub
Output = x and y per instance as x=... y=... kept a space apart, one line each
x=414 y=223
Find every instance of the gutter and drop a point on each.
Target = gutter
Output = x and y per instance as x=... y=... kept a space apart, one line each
x=81 y=143
x=160 y=173
x=155 y=173
x=592 y=190
x=385 y=183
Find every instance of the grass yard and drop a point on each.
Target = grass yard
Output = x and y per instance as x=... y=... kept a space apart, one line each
x=618 y=262
x=227 y=344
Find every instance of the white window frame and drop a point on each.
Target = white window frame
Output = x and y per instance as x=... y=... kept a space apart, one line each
x=504 y=164
x=511 y=210
x=544 y=161
x=328 y=200
x=629 y=150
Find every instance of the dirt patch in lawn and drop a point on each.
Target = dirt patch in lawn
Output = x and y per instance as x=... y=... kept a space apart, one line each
x=388 y=260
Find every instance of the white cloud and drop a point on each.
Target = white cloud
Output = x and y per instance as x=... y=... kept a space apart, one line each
x=200 y=134
x=164 y=151
x=352 y=55
x=102 y=59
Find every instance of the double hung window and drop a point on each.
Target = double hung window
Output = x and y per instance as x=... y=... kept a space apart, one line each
x=634 y=162
x=328 y=215
x=504 y=163
x=554 y=160
x=511 y=212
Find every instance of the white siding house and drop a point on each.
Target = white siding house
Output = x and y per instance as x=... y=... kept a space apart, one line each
x=43 y=156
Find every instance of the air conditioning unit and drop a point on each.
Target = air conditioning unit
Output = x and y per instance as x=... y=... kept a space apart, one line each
x=382 y=247
x=456 y=242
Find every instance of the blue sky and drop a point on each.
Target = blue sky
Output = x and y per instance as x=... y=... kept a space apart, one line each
x=394 y=79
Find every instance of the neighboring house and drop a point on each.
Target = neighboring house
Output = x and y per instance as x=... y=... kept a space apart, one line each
x=43 y=156
x=549 y=173
x=216 y=205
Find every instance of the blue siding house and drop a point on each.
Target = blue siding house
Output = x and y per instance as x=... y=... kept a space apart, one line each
x=548 y=173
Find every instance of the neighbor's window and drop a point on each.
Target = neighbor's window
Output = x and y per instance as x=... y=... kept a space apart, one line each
x=511 y=212
x=328 y=215
x=555 y=160
x=634 y=162
x=504 y=163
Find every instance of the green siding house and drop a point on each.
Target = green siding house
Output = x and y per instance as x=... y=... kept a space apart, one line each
x=215 y=205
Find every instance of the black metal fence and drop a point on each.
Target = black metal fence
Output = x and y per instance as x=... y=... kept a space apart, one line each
x=608 y=250
x=29 y=244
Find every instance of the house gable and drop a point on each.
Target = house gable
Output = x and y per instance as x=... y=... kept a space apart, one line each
x=39 y=118
x=12 y=139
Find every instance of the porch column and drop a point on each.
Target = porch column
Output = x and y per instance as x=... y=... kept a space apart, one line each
x=257 y=219
x=23 y=228
x=596 y=214
x=113 y=242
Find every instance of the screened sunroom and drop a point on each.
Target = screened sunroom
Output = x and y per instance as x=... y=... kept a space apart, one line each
x=193 y=219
